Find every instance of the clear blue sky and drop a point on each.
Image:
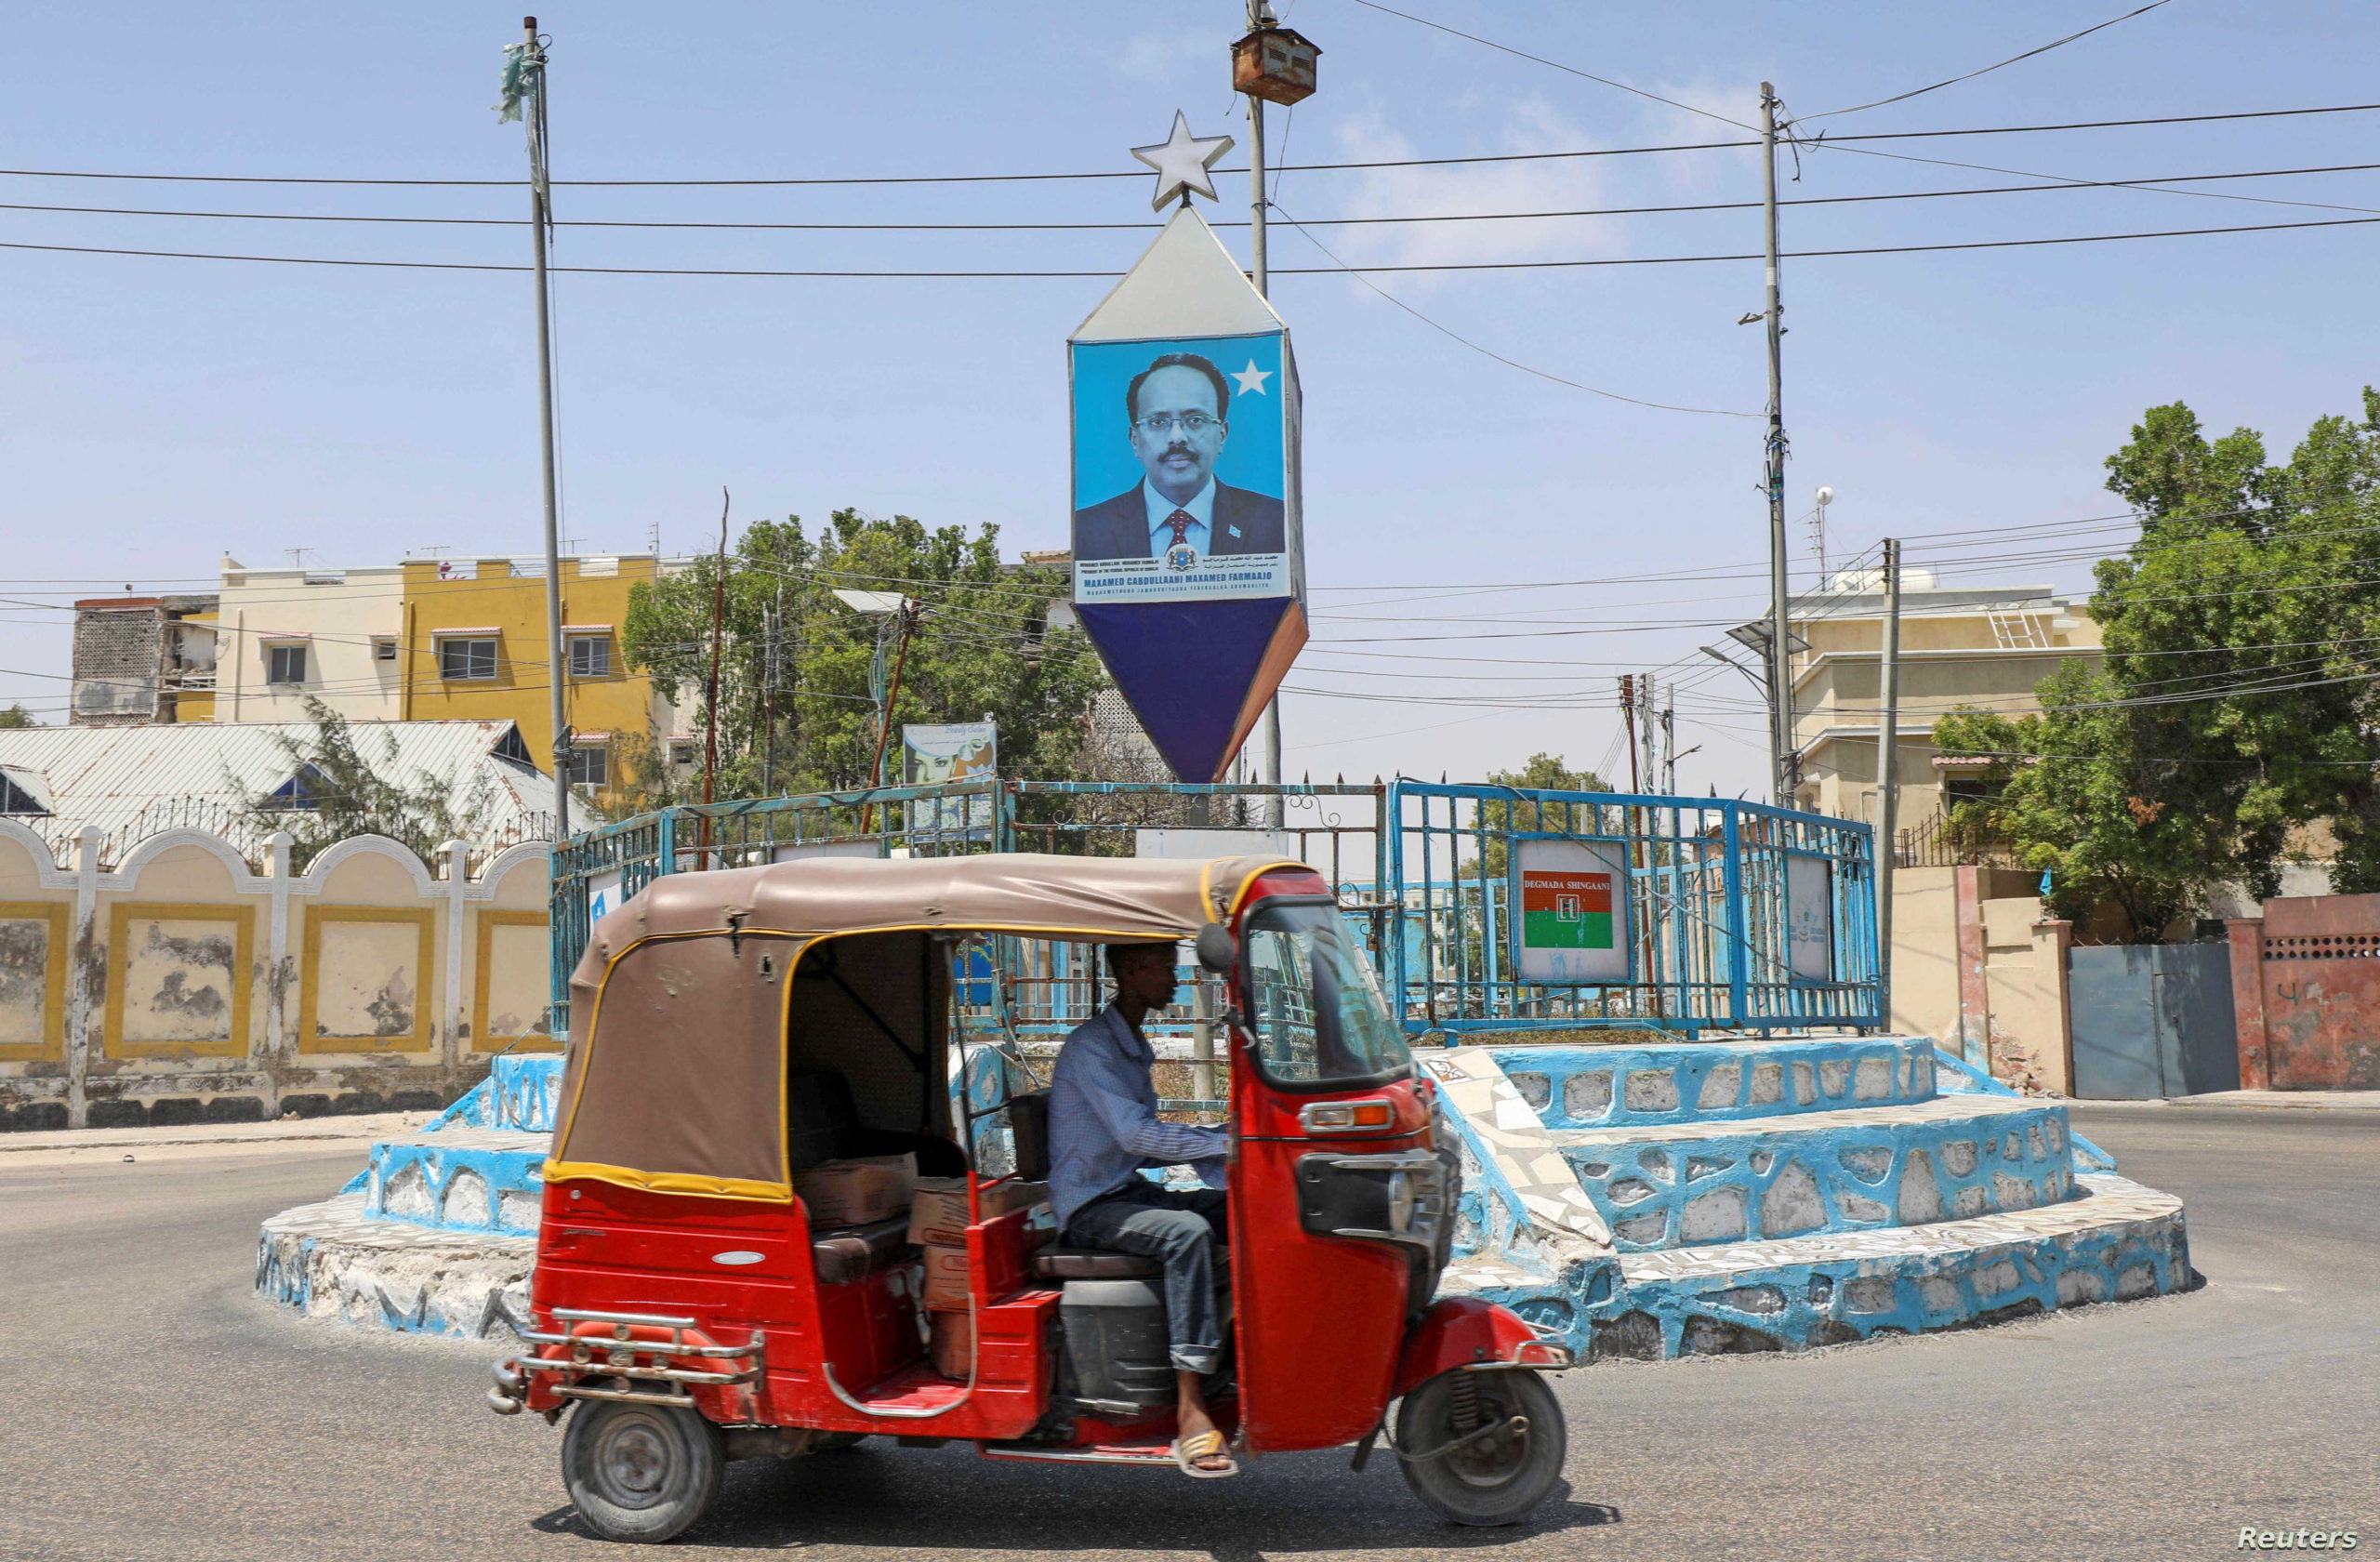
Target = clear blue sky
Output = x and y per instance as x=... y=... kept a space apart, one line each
x=155 y=413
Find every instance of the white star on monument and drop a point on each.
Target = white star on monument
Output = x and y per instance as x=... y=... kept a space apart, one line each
x=1252 y=378
x=1181 y=160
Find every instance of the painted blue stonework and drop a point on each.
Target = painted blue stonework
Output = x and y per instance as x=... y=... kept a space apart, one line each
x=1955 y=1074
x=1798 y=1306
x=1787 y=1180
x=1602 y=1087
x=1778 y=1194
x=521 y=1091
x=476 y=1166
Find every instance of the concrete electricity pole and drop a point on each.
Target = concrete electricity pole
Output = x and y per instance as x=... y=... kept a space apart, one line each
x=1780 y=660
x=1888 y=779
x=1260 y=15
x=533 y=76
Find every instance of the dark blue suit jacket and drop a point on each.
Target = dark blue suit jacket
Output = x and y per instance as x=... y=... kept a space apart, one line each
x=1242 y=523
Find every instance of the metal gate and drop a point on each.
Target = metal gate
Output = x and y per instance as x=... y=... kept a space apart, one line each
x=2151 y=1020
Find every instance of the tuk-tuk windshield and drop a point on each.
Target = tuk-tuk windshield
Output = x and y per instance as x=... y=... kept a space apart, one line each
x=1316 y=1010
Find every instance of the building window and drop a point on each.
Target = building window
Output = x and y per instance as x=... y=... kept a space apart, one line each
x=460 y=658
x=591 y=655
x=588 y=765
x=682 y=751
x=384 y=648
x=284 y=664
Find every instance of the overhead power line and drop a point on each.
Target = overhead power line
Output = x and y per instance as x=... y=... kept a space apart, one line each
x=2058 y=184
x=1823 y=139
x=1278 y=270
x=1553 y=64
x=1984 y=70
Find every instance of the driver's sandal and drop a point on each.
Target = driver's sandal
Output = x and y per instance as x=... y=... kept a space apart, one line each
x=1203 y=1445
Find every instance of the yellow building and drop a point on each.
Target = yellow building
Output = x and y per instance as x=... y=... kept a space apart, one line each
x=472 y=644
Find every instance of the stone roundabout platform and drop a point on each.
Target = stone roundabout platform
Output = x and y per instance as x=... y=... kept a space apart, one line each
x=1640 y=1201
x=1702 y=1198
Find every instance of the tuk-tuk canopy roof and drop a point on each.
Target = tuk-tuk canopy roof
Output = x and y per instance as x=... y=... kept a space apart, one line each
x=681 y=1047
x=1101 y=899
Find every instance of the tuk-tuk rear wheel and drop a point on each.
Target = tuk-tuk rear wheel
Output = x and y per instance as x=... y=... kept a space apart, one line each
x=1496 y=1480
x=640 y=1472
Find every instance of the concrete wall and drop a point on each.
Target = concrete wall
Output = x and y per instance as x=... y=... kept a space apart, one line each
x=2305 y=993
x=189 y=985
x=1976 y=967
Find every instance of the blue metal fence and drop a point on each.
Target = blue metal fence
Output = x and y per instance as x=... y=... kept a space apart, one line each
x=1736 y=916
x=1733 y=916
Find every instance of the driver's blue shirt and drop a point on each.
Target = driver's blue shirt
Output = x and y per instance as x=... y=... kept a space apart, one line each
x=1103 y=1127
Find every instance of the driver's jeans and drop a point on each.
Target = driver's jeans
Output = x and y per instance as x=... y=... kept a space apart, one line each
x=1181 y=1230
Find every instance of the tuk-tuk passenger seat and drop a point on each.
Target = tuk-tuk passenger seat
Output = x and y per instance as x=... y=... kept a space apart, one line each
x=855 y=1253
x=1093 y=1263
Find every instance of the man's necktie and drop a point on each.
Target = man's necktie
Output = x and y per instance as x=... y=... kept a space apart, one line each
x=1180 y=521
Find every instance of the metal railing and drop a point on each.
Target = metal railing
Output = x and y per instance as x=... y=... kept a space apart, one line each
x=1727 y=915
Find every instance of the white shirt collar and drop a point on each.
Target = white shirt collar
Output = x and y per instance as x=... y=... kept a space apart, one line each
x=1202 y=514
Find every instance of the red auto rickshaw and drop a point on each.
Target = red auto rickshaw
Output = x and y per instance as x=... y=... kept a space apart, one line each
x=730 y=1029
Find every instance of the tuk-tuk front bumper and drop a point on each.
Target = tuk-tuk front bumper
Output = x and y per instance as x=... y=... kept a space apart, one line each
x=631 y=1357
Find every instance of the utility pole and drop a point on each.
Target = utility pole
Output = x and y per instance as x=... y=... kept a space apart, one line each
x=1260 y=14
x=532 y=60
x=1668 y=742
x=1888 y=780
x=1628 y=714
x=1651 y=693
x=1780 y=660
x=911 y=611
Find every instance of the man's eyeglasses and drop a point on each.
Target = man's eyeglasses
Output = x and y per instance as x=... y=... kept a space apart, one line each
x=1164 y=423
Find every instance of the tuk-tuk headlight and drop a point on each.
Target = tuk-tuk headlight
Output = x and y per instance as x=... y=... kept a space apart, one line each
x=1375 y=1115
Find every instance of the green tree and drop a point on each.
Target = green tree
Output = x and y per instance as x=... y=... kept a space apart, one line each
x=17 y=716
x=346 y=792
x=2069 y=798
x=1544 y=773
x=2233 y=709
x=795 y=709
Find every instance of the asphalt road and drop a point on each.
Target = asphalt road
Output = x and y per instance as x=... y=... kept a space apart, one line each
x=155 y=1409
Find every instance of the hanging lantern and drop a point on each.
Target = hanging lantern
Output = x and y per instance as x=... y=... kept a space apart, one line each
x=1275 y=64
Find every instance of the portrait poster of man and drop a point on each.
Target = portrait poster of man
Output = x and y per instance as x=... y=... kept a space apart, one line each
x=1181 y=469
x=934 y=754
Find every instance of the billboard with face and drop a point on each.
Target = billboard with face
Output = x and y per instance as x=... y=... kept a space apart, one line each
x=1182 y=469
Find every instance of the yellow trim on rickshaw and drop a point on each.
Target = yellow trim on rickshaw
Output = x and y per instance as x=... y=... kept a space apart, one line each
x=687 y=1183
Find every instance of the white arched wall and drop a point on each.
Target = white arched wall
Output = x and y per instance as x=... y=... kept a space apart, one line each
x=201 y=874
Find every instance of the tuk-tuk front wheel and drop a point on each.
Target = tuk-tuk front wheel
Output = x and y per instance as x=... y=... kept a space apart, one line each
x=640 y=1472
x=1469 y=1470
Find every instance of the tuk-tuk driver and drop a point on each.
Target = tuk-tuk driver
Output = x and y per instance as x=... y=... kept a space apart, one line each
x=1103 y=1131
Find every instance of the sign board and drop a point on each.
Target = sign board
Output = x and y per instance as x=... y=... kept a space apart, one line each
x=807 y=850
x=1189 y=573
x=1809 y=918
x=1181 y=469
x=1570 y=910
x=603 y=896
x=932 y=756
x=1197 y=845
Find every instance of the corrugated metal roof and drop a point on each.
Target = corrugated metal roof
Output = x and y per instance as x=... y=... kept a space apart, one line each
x=135 y=781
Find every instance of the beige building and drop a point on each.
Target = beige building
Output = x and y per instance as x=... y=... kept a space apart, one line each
x=1982 y=646
x=283 y=635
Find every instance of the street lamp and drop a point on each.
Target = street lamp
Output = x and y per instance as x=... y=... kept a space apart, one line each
x=896 y=616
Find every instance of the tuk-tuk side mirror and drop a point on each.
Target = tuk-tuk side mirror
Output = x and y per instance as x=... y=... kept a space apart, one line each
x=1218 y=950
